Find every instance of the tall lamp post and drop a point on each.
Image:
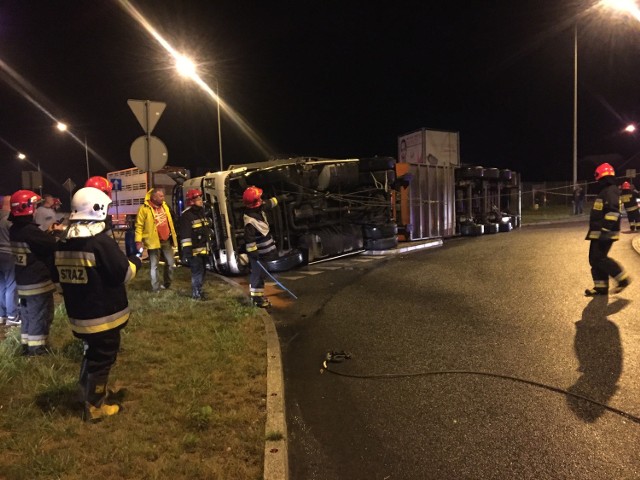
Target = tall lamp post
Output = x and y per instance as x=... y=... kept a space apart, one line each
x=187 y=68
x=63 y=128
x=575 y=104
x=219 y=126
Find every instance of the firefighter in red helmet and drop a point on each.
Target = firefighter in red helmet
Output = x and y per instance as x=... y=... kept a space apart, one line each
x=629 y=198
x=259 y=243
x=100 y=183
x=194 y=231
x=604 y=229
x=34 y=253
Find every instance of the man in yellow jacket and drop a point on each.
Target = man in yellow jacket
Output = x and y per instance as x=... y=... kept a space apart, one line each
x=156 y=233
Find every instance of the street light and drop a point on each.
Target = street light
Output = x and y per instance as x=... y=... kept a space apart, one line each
x=187 y=68
x=63 y=128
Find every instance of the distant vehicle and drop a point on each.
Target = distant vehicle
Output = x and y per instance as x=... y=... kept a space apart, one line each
x=334 y=207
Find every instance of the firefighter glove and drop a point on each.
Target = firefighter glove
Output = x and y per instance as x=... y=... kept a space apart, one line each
x=187 y=256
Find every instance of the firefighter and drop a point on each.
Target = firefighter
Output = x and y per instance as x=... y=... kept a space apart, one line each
x=92 y=271
x=259 y=243
x=105 y=186
x=100 y=183
x=604 y=229
x=629 y=198
x=194 y=232
x=34 y=253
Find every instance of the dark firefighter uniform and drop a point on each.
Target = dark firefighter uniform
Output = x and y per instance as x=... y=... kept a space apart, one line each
x=194 y=231
x=604 y=229
x=92 y=271
x=259 y=245
x=34 y=250
x=629 y=198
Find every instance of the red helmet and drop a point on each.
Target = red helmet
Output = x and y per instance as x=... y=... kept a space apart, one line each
x=252 y=197
x=604 y=170
x=192 y=195
x=626 y=186
x=24 y=203
x=100 y=183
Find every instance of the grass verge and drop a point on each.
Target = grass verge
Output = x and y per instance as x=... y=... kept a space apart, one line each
x=549 y=213
x=192 y=379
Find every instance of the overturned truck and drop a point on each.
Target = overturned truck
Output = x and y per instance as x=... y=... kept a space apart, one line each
x=333 y=207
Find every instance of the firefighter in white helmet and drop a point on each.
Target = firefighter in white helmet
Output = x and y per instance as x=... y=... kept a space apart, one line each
x=194 y=232
x=92 y=271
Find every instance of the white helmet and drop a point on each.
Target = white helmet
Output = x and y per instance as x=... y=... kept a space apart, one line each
x=89 y=204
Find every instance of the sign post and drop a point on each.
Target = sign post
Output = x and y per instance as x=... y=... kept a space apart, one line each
x=69 y=185
x=116 y=186
x=148 y=153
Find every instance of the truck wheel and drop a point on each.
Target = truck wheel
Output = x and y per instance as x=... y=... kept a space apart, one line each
x=381 y=243
x=375 y=232
x=491 y=228
x=469 y=172
x=288 y=261
x=471 y=230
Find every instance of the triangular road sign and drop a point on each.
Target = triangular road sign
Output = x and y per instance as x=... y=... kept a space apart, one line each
x=147 y=112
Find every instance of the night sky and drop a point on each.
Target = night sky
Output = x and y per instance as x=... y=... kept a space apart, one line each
x=335 y=79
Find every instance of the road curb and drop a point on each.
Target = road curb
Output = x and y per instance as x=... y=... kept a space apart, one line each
x=276 y=465
x=276 y=459
x=635 y=243
x=404 y=247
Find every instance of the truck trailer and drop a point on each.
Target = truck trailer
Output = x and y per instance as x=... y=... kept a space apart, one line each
x=334 y=207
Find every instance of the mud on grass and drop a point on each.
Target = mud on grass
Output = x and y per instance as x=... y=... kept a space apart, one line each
x=191 y=377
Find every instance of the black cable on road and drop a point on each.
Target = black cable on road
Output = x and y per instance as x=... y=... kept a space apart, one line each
x=337 y=358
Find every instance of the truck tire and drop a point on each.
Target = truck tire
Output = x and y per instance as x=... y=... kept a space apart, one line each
x=492 y=173
x=376 y=232
x=505 y=227
x=491 y=228
x=471 y=230
x=469 y=172
x=286 y=262
x=381 y=243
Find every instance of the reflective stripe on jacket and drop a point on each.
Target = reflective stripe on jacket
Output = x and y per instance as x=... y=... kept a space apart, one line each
x=92 y=272
x=604 y=220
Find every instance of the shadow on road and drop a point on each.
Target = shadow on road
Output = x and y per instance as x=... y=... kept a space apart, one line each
x=599 y=352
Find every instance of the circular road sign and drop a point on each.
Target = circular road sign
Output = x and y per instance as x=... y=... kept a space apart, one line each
x=154 y=148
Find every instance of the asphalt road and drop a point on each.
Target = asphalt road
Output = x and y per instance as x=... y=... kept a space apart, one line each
x=489 y=337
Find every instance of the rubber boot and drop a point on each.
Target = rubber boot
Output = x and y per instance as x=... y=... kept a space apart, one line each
x=592 y=292
x=197 y=294
x=82 y=382
x=261 y=302
x=96 y=408
x=622 y=284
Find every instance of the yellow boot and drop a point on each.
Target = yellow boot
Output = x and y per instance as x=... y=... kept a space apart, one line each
x=95 y=414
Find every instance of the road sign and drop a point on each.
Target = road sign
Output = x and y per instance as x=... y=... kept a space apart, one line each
x=31 y=180
x=149 y=153
x=116 y=184
x=147 y=112
x=69 y=185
